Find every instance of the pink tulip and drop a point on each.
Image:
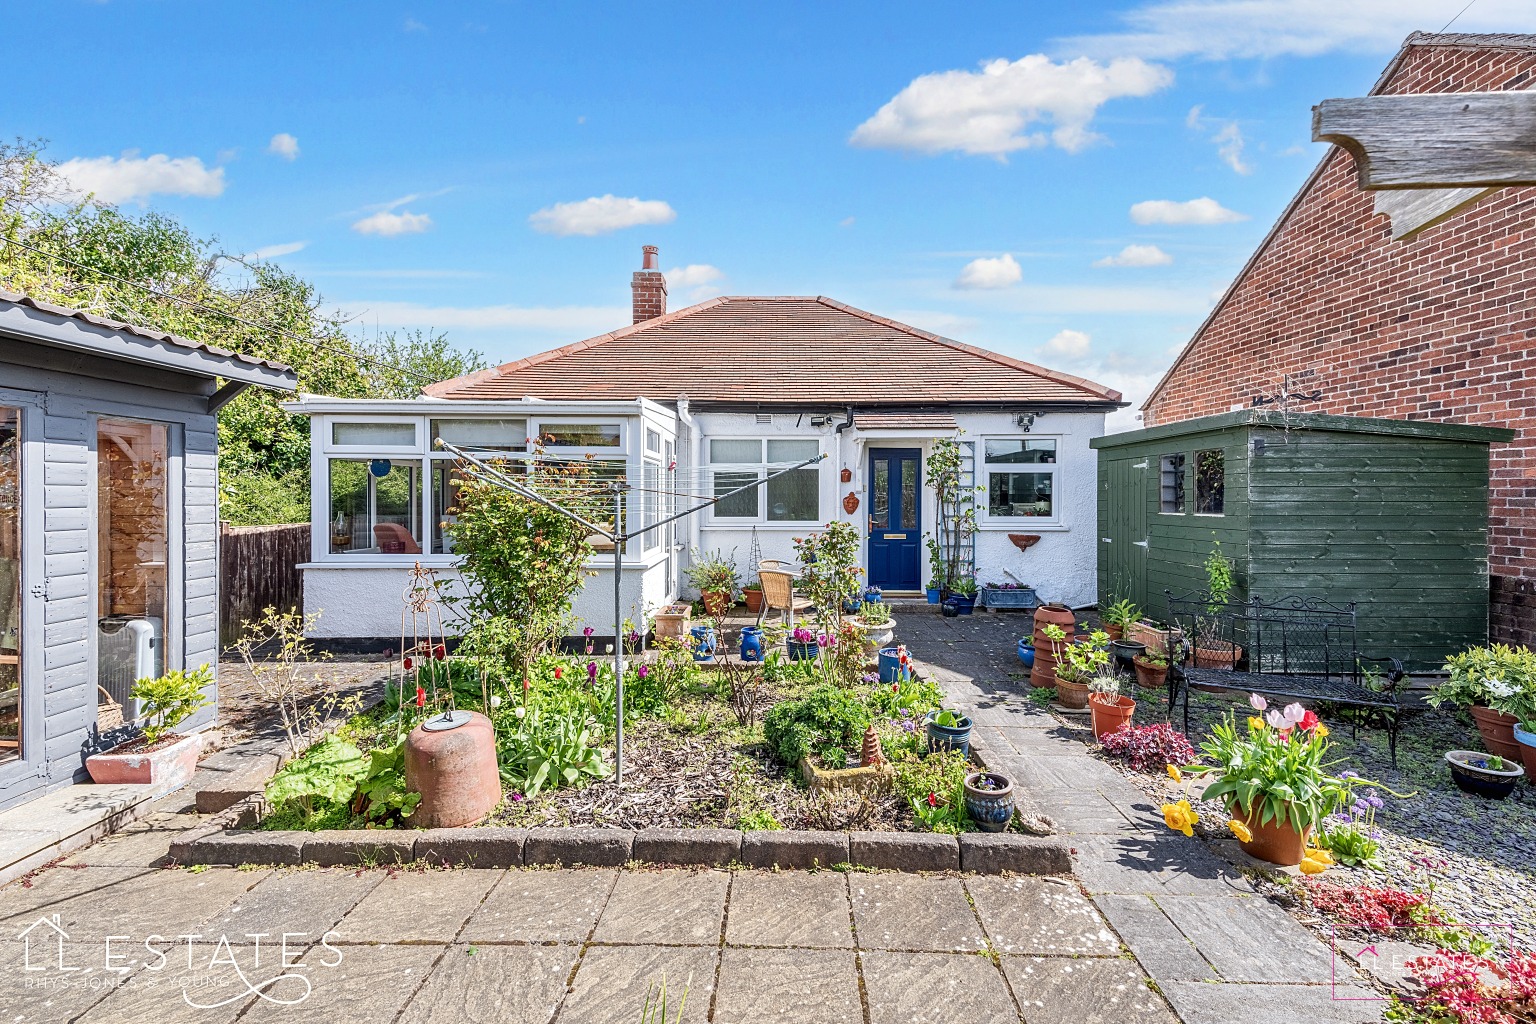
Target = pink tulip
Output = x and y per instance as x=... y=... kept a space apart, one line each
x=1257 y=702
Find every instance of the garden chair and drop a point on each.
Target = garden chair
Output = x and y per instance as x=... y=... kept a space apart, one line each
x=779 y=595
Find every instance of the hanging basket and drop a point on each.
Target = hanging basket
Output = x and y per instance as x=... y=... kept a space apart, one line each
x=109 y=713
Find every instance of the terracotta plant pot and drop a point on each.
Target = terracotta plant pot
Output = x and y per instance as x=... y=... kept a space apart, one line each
x=1043 y=672
x=1155 y=639
x=716 y=603
x=1225 y=656
x=1109 y=712
x=1150 y=676
x=1276 y=842
x=171 y=765
x=454 y=770
x=1114 y=632
x=1527 y=741
x=1498 y=732
x=754 y=599
x=1070 y=695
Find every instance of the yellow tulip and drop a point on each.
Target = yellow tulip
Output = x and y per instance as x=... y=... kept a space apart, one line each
x=1309 y=866
x=1240 y=830
x=1255 y=724
x=1321 y=731
x=1175 y=774
x=1319 y=854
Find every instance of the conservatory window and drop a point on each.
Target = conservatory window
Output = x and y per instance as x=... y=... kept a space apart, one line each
x=491 y=435
x=581 y=435
x=395 y=434
x=1021 y=477
x=375 y=507
x=1171 y=484
x=794 y=497
x=1210 y=482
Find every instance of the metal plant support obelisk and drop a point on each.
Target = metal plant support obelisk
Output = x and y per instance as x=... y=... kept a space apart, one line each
x=619 y=537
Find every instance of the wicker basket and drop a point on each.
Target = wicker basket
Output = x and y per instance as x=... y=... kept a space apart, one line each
x=109 y=713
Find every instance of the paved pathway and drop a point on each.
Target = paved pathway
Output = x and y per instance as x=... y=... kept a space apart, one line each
x=1215 y=948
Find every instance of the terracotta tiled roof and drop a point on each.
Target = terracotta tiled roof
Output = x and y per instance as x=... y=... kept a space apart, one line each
x=140 y=332
x=777 y=350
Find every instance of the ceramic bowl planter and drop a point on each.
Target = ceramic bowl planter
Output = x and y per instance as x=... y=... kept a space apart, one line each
x=1127 y=651
x=1474 y=772
x=1071 y=694
x=964 y=603
x=1498 y=732
x=1109 y=712
x=165 y=764
x=949 y=609
x=989 y=800
x=801 y=650
x=1527 y=741
x=1027 y=652
x=1276 y=842
x=879 y=634
x=948 y=737
x=1150 y=676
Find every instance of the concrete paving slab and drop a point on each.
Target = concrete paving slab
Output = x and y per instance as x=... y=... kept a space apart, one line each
x=294 y=900
x=789 y=908
x=33 y=988
x=1039 y=915
x=1158 y=944
x=934 y=988
x=1251 y=939
x=418 y=906
x=770 y=986
x=365 y=983
x=162 y=902
x=665 y=906
x=28 y=896
x=611 y=983
x=1052 y=990
x=494 y=985
x=913 y=912
x=161 y=994
x=541 y=905
x=1199 y=1003
x=136 y=848
x=1386 y=960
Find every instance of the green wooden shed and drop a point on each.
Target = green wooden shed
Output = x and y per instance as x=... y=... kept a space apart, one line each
x=1391 y=515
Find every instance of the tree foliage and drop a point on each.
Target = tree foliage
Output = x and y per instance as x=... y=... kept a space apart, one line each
x=147 y=269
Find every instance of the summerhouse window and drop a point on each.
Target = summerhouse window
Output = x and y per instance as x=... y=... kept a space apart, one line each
x=791 y=498
x=1021 y=477
x=1171 y=476
x=1210 y=482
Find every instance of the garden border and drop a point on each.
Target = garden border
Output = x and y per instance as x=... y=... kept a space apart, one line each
x=499 y=847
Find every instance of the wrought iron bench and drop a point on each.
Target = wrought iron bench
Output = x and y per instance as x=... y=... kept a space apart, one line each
x=1295 y=648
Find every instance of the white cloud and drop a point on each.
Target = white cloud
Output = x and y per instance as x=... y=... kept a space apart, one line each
x=389 y=224
x=270 y=252
x=989 y=112
x=990 y=272
x=1225 y=29
x=284 y=145
x=601 y=214
x=846 y=222
x=132 y=177
x=583 y=320
x=412 y=25
x=692 y=275
x=1204 y=210
x=1228 y=138
x=1136 y=256
x=1069 y=344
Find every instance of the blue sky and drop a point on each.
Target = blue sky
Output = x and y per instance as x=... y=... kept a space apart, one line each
x=492 y=169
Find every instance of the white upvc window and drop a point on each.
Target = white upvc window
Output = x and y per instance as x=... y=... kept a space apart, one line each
x=1019 y=478
x=791 y=499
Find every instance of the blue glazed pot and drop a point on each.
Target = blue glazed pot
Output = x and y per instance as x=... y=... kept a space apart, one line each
x=801 y=651
x=751 y=643
x=890 y=665
x=704 y=642
x=991 y=809
x=851 y=607
x=963 y=603
x=933 y=595
x=1027 y=652
x=948 y=737
x=1470 y=772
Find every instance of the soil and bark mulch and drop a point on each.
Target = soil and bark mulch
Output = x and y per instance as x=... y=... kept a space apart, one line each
x=1479 y=854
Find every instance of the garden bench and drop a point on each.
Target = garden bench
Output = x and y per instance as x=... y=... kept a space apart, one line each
x=1295 y=648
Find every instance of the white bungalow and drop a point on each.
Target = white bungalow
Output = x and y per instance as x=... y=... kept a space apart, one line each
x=692 y=404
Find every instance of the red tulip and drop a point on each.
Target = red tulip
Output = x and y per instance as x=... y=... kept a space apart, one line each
x=407 y=663
x=933 y=801
x=559 y=671
x=421 y=697
x=1309 y=721
x=440 y=652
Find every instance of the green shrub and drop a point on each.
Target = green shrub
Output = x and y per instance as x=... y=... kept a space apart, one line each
x=539 y=748
x=168 y=700
x=758 y=821
x=826 y=716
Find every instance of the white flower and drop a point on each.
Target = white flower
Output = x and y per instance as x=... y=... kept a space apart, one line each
x=1499 y=688
x=520 y=712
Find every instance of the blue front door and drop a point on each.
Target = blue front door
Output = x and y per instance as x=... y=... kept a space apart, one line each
x=895 y=518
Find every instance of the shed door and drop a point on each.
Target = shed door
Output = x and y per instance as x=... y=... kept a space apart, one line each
x=1123 y=545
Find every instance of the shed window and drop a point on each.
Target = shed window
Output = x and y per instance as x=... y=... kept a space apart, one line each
x=1011 y=493
x=1172 y=477
x=1210 y=482
x=494 y=435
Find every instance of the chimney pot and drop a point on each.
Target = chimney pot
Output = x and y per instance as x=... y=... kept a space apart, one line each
x=648 y=287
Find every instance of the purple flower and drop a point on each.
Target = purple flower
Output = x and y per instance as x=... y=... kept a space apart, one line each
x=517 y=798
x=1375 y=801
x=588 y=631
x=871 y=677
x=591 y=671
x=643 y=671
x=634 y=636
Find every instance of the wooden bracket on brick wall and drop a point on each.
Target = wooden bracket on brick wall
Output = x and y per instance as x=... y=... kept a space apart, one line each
x=1024 y=541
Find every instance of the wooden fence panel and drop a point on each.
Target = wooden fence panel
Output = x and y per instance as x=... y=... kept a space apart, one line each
x=259 y=568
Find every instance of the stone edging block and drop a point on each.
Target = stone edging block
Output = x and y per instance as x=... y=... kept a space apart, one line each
x=785 y=849
x=492 y=847
x=706 y=847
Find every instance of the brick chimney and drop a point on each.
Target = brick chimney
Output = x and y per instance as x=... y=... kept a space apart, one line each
x=649 y=287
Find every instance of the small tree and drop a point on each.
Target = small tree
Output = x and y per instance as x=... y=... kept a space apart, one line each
x=830 y=573
x=278 y=655
x=170 y=699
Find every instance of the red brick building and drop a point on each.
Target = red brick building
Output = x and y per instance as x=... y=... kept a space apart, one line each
x=1440 y=325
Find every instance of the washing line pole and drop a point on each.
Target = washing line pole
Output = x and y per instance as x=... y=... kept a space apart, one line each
x=619 y=537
